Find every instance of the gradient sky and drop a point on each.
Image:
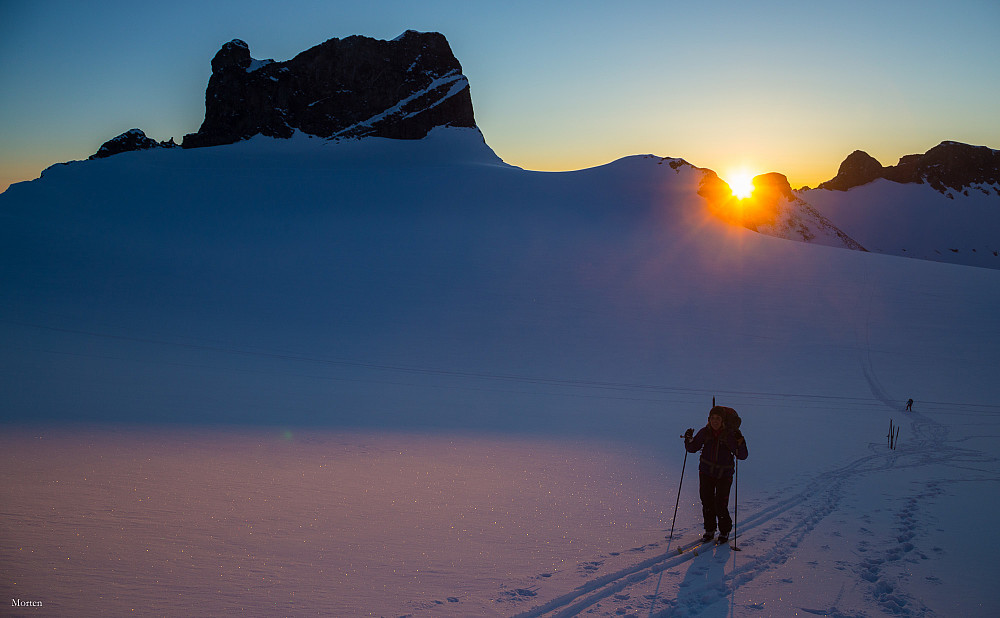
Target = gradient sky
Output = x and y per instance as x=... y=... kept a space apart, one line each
x=792 y=87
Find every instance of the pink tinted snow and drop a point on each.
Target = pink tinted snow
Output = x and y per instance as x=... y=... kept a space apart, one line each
x=168 y=522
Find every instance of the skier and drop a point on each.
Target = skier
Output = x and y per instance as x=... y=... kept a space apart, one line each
x=909 y=405
x=718 y=444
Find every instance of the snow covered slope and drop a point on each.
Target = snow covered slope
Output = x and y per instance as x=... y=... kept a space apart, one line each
x=942 y=205
x=915 y=220
x=775 y=210
x=386 y=301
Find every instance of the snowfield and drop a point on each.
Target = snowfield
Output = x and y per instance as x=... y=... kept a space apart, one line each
x=913 y=220
x=389 y=378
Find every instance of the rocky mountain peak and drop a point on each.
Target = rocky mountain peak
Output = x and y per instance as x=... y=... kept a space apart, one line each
x=772 y=186
x=342 y=88
x=352 y=87
x=948 y=167
x=859 y=168
x=133 y=139
x=773 y=209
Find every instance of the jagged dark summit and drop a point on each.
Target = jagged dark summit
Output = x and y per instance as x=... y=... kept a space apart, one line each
x=947 y=167
x=859 y=168
x=352 y=87
x=343 y=88
x=133 y=139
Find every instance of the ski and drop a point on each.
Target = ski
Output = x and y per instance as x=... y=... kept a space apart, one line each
x=694 y=546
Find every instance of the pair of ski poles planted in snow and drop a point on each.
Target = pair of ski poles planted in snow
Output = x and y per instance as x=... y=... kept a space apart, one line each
x=736 y=497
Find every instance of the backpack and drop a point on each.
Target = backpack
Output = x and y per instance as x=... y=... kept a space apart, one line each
x=730 y=419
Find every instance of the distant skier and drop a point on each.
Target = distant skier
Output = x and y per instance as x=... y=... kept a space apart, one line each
x=718 y=444
x=909 y=405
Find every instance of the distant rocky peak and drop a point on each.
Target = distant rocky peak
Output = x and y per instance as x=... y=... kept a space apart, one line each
x=131 y=140
x=773 y=209
x=948 y=167
x=342 y=88
x=859 y=168
x=772 y=186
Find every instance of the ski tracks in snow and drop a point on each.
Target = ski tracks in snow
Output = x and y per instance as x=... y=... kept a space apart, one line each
x=772 y=536
x=775 y=532
x=875 y=566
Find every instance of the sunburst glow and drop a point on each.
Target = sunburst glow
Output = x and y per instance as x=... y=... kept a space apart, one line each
x=741 y=183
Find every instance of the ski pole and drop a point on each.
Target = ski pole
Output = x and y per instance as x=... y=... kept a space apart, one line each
x=736 y=499
x=678 y=493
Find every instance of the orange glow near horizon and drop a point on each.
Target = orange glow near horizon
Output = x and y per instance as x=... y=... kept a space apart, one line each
x=740 y=183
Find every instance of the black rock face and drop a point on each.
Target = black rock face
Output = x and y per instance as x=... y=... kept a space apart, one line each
x=769 y=190
x=859 y=168
x=133 y=139
x=949 y=166
x=353 y=87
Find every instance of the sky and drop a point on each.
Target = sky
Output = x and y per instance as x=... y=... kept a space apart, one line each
x=792 y=87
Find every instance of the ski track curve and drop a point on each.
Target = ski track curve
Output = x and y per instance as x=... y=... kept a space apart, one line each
x=779 y=528
x=817 y=501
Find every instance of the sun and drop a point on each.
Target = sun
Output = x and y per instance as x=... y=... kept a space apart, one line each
x=740 y=183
